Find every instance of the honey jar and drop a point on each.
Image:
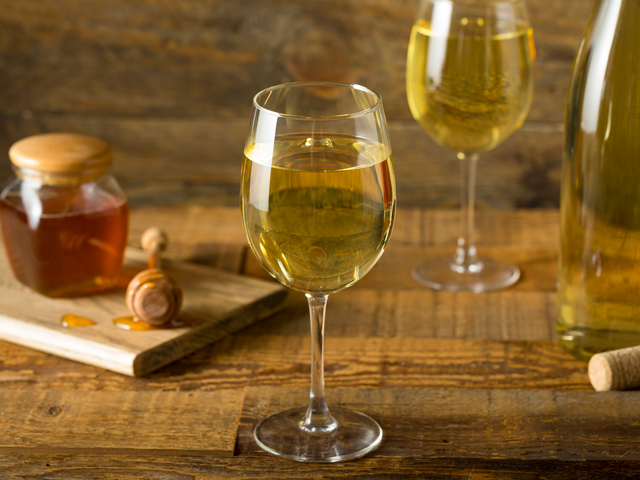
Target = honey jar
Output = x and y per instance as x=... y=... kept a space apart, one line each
x=64 y=217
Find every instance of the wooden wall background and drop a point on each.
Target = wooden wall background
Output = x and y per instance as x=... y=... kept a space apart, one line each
x=169 y=84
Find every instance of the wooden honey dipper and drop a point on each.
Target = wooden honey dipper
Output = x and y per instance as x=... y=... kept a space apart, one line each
x=153 y=295
x=615 y=370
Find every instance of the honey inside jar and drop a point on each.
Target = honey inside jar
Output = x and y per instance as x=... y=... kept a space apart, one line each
x=64 y=222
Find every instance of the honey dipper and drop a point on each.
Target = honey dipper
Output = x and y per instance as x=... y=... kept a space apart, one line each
x=153 y=295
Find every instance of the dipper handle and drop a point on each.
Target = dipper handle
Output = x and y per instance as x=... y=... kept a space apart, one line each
x=154 y=242
x=615 y=370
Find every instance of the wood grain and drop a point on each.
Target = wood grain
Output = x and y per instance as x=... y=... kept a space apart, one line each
x=359 y=362
x=205 y=235
x=193 y=227
x=197 y=161
x=466 y=386
x=218 y=303
x=538 y=266
x=431 y=227
x=127 y=466
x=418 y=424
x=210 y=58
x=388 y=363
x=422 y=313
x=125 y=421
x=530 y=240
x=475 y=424
x=170 y=87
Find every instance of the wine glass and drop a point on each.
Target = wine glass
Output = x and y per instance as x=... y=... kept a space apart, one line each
x=318 y=205
x=469 y=85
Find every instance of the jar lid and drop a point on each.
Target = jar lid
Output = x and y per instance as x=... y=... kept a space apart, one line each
x=61 y=153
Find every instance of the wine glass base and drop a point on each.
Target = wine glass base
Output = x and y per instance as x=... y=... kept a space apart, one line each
x=356 y=435
x=438 y=274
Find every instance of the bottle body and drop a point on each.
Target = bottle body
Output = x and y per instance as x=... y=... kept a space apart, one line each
x=599 y=266
x=65 y=240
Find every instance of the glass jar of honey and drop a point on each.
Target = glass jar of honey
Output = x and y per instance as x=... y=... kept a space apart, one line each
x=64 y=217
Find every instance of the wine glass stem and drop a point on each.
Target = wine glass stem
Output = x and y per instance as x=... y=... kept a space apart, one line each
x=466 y=259
x=317 y=420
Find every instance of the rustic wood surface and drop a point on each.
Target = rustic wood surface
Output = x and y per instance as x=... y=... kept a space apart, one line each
x=128 y=466
x=99 y=421
x=216 y=302
x=169 y=85
x=465 y=385
x=474 y=424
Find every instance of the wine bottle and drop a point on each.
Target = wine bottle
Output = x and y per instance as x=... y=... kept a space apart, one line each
x=599 y=267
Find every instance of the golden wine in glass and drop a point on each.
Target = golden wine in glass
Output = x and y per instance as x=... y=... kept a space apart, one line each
x=318 y=203
x=469 y=85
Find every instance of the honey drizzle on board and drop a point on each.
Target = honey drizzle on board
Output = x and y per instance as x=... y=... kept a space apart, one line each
x=133 y=324
x=70 y=320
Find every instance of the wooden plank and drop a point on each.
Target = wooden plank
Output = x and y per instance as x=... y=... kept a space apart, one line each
x=529 y=239
x=189 y=227
x=475 y=424
x=170 y=161
x=523 y=172
x=280 y=360
x=391 y=363
x=538 y=266
x=126 y=421
x=422 y=313
x=134 y=467
x=194 y=58
x=220 y=303
x=207 y=236
x=125 y=466
x=522 y=228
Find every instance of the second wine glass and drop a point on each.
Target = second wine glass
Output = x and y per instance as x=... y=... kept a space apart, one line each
x=469 y=85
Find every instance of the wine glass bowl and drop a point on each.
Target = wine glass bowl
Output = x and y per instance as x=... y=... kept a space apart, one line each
x=469 y=85
x=318 y=205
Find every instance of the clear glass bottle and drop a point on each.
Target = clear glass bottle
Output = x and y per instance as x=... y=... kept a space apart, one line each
x=64 y=218
x=599 y=269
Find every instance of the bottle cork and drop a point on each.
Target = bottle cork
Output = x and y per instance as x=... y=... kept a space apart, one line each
x=615 y=370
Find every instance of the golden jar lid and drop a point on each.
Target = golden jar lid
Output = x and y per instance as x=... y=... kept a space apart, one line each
x=61 y=154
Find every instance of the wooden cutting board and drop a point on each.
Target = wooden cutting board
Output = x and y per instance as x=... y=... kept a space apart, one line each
x=220 y=303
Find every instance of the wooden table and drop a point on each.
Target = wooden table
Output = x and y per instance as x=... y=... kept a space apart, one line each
x=464 y=385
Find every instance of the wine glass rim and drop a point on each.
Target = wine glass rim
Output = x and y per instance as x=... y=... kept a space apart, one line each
x=354 y=86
